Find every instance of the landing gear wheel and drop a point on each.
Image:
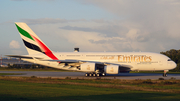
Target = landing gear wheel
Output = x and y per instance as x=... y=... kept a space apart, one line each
x=86 y=74
x=94 y=74
x=103 y=74
x=164 y=75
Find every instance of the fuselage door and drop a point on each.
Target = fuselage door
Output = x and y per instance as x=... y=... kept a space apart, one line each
x=160 y=62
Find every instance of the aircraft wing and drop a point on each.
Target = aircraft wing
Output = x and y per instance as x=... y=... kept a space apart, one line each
x=85 y=61
x=73 y=61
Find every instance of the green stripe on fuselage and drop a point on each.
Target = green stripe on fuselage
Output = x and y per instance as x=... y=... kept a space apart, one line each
x=23 y=32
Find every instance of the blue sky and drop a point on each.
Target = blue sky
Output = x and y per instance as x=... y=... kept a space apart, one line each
x=92 y=25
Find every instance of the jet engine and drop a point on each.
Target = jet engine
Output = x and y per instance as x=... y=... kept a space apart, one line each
x=111 y=69
x=88 y=67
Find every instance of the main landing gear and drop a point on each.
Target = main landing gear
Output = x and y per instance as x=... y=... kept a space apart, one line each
x=94 y=74
x=165 y=73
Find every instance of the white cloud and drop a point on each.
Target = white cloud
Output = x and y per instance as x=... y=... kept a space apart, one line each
x=81 y=39
x=49 y=21
x=14 y=44
x=153 y=25
x=143 y=25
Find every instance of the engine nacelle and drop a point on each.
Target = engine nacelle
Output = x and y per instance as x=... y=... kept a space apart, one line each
x=111 y=69
x=88 y=67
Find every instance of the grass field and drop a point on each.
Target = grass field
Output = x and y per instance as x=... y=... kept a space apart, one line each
x=45 y=89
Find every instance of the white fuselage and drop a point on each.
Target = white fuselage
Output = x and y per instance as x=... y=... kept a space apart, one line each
x=140 y=61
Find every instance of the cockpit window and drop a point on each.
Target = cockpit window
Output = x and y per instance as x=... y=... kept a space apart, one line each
x=169 y=60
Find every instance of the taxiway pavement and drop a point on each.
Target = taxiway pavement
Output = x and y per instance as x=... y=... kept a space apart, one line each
x=59 y=74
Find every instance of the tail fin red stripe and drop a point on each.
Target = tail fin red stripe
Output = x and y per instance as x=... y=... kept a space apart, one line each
x=46 y=50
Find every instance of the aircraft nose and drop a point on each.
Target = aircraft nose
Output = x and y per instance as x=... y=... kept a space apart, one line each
x=174 y=65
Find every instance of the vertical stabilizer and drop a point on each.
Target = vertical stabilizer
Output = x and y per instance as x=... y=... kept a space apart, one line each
x=33 y=43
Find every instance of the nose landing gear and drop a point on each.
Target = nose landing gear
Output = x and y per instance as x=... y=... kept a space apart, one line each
x=165 y=73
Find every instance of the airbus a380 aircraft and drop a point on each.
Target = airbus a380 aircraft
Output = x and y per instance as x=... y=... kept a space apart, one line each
x=94 y=63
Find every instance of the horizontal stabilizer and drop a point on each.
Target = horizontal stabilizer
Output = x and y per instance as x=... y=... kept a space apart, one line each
x=22 y=56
